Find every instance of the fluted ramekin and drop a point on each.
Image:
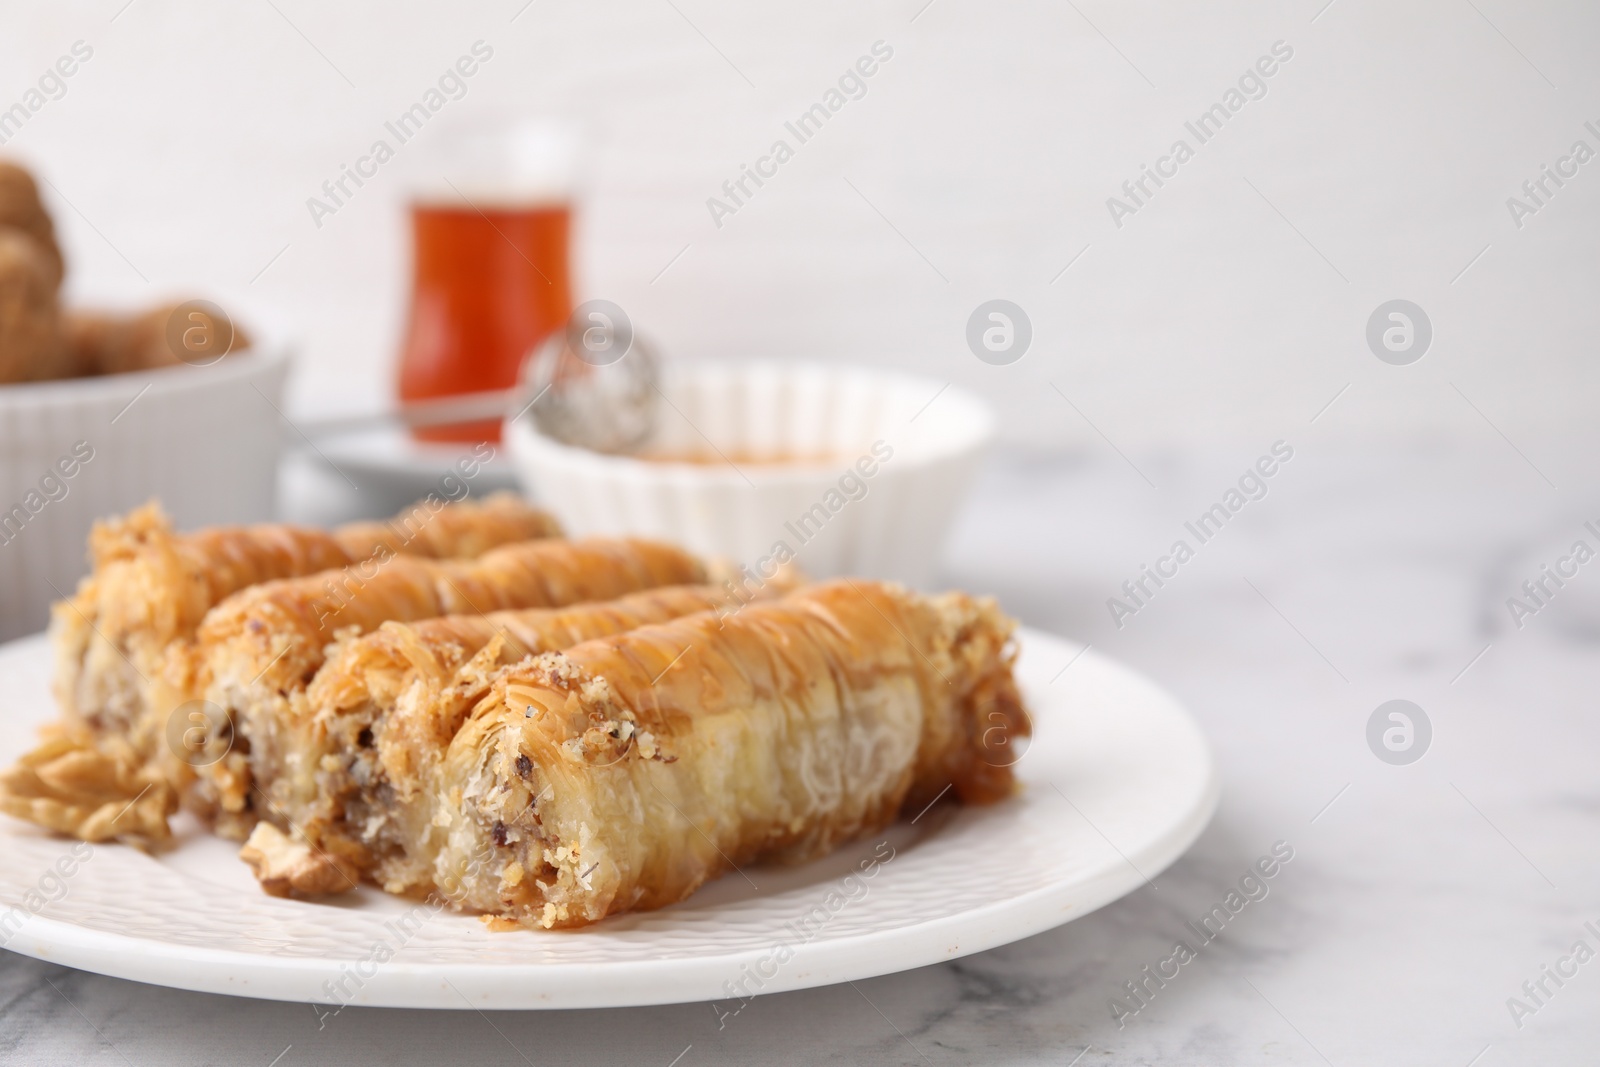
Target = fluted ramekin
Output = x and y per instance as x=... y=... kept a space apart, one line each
x=204 y=440
x=871 y=468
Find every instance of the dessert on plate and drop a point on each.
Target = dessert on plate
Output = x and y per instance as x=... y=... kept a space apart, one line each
x=149 y=587
x=625 y=772
x=257 y=651
x=367 y=743
x=540 y=731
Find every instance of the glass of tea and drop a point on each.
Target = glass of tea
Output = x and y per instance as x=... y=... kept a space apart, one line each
x=490 y=228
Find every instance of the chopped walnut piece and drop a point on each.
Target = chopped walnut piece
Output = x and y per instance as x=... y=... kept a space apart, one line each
x=512 y=876
x=289 y=868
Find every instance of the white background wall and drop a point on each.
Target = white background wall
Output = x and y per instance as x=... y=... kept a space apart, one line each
x=188 y=145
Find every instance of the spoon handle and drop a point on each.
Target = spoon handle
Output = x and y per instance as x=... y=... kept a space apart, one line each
x=444 y=411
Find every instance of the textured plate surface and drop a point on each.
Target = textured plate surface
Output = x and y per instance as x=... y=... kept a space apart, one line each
x=1117 y=781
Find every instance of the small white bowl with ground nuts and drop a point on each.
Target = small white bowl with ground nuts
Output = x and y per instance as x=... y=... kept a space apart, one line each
x=847 y=470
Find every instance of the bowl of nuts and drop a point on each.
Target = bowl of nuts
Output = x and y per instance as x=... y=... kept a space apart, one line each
x=101 y=410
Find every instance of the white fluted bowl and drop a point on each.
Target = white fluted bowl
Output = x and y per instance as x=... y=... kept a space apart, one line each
x=204 y=440
x=877 y=464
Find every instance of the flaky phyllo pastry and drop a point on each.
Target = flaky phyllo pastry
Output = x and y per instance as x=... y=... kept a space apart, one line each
x=148 y=590
x=545 y=733
x=362 y=751
x=94 y=789
x=150 y=586
x=381 y=714
x=623 y=773
x=255 y=653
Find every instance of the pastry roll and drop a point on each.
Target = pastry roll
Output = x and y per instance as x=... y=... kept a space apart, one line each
x=435 y=530
x=256 y=652
x=150 y=586
x=623 y=773
x=364 y=748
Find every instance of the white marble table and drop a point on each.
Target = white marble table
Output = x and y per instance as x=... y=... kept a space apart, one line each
x=1420 y=897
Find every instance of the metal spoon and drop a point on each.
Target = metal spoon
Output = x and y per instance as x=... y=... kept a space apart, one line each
x=593 y=384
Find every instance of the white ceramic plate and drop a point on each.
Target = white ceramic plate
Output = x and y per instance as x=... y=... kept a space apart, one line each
x=391 y=468
x=1118 y=782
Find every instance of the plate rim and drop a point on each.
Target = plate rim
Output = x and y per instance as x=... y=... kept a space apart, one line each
x=637 y=983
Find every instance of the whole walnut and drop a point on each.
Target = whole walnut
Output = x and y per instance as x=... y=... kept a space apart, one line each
x=98 y=340
x=112 y=343
x=40 y=341
x=31 y=343
x=21 y=209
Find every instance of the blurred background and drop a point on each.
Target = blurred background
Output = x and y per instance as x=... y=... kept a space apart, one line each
x=977 y=165
x=1174 y=342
